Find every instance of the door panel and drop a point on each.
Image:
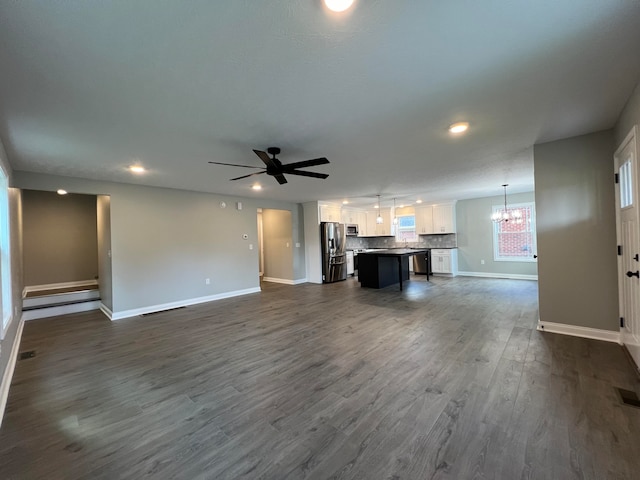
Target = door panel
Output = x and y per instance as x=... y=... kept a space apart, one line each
x=627 y=220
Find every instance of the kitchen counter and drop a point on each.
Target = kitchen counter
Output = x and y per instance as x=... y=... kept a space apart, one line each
x=381 y=268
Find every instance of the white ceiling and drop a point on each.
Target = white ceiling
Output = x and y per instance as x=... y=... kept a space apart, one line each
x=87 y=88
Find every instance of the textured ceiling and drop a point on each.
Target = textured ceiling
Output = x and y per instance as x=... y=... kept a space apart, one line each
x=87 y=88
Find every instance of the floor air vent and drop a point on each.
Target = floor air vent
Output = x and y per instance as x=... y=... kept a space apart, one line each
x=629 y=397
x=26 y=355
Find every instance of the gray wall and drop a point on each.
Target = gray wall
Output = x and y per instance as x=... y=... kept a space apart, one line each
x=577 y=267
x=60 y=237
x=278 y=244
x=103 y=217
x=629 y=117
x=15 y=211
x=475 y=236
x=166 y=242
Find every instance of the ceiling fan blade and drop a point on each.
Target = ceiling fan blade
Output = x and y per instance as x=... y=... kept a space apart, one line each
x=264 y=156
x=306 y=163
x=302 y=173
x=250 y=175
x=280 y=178
x=233 y=165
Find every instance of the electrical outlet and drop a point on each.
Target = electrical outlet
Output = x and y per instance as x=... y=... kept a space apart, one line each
x=251 y=246
x=481 y=262
x=207 y=281
x=287 y=244
x=297 y=244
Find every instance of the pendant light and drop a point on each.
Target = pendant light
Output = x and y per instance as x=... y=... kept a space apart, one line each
x=504 y=215
x=395 y=217
x=379 y=219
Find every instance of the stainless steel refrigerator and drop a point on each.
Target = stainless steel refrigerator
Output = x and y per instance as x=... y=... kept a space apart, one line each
x=333 y=238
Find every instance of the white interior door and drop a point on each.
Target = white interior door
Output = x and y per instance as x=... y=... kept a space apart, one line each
x=626 y=166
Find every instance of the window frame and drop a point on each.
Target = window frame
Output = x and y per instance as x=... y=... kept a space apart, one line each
x=399 y=229
x=532 y=229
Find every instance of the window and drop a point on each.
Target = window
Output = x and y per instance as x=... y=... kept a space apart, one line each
x=406 y=228
x=515 y=240
x=5 y=257
x=626 y=185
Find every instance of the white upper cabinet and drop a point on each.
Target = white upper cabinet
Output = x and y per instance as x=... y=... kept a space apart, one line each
x=424 y=219
x=351 y=216
x=330 y=213
x=375 y=229
x=362 y=222
x=444 y=219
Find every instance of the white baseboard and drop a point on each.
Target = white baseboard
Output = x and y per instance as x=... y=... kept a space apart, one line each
x=56 y=310
x=106 y=310
x=51 y=286
x=512 y=276
x=576 y=331
x=284 y=281
x=8 y=372
x=181 y=303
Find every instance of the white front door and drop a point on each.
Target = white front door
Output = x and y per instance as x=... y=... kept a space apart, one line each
x=627 y=223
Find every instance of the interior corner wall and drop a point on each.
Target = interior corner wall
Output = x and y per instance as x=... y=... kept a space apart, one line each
x=475 y=237
x=60 y=237
x=576 y=226
x=103 y=217
x=299 y=263
x=277 y=244
x=313 y=251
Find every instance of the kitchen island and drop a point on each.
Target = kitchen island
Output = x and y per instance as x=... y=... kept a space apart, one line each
x=382 y=268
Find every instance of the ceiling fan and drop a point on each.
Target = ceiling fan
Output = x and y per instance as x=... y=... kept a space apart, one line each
x=276 y=169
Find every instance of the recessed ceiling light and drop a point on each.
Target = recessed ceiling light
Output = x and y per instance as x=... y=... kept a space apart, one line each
x=376 y=206
x=137 y=169
x=459 y=127
x=418 y=201
x=257 y=186
x=401 y=206
x=61 y=192
x=345 y=202
x=338 y=5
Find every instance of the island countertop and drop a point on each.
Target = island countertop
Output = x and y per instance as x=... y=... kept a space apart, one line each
x=394 y=252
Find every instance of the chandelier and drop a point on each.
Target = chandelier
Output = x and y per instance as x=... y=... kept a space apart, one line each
x=506 y=215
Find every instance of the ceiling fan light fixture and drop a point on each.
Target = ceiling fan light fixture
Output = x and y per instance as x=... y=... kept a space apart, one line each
x=459 y=127
x=256 y=186
x=338 y=5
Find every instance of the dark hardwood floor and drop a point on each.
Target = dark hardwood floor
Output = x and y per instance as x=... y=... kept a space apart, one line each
x=448 y=379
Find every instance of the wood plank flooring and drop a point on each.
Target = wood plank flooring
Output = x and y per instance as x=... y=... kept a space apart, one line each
x=446 y=380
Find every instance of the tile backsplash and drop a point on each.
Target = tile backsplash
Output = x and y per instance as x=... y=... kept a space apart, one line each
x=447 y=240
